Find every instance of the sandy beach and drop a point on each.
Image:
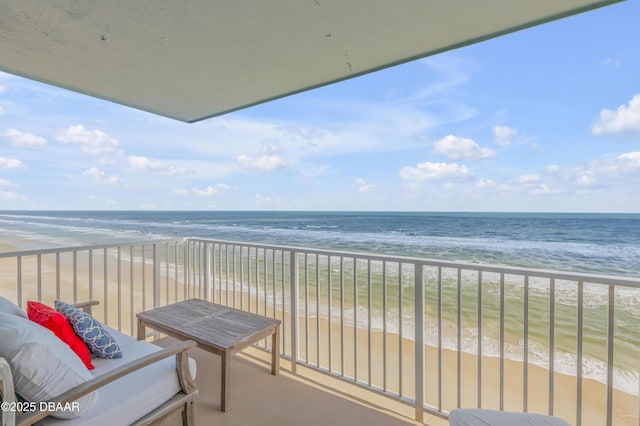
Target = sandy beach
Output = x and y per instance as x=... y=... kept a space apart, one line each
x=134 y=298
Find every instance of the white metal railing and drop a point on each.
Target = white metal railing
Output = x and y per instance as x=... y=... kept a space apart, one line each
x=434 y=334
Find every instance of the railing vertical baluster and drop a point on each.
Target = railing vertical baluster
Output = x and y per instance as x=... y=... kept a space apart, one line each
x=90 y=274
x=39 y=277
x=19 y=279
x=257 y=281
x=525 y=349
x=610 y=341
x=249 y=285
x=501 y=342
x=295 y=313
x=400 y=327
x=234 y=272
x=176 y=268
x=75 y=276
x=284 y=305
x=479 y=339
x=105 y=288
x=156 y=277
x=226 y=274
x=579 y=353
x=119 y=260
x=220 y=273
x=131 y=290
x=242 y=278
x=384 y=325
x=144 y=279
x=356 y=307
x=273 y=281
x=166 y=272
x=185 y=269
x=552 y=340
x=459 y=339
x=206 y=271
x=342 y=316
x=306 y=309
x=369 y=334
x=266 y=280
x=330 y=312
x=58 y=276
x=202 y=270
x=439 y=338
x=419 y=339
x=317 y=311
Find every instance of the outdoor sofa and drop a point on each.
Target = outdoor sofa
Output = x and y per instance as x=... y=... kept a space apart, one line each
x=143 y=384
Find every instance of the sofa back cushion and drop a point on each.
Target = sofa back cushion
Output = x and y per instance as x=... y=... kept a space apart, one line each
x=8 y=307
x=59 y=324
x=43 y=367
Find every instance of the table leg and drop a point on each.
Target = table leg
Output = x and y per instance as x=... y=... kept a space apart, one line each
x=275 y=351
x=141 y=330
x=225 y=385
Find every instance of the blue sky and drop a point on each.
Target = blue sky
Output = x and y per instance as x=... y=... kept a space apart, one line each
x=546 y=119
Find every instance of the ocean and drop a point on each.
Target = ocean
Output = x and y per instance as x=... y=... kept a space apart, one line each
x=594 y=243
x=607 y=244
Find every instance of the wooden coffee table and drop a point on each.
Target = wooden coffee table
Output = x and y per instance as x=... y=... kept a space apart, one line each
x=215 y=328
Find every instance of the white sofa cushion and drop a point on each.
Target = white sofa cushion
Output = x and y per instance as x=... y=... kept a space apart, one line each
x=8 y=307
x=42 y=365
x=134 y=395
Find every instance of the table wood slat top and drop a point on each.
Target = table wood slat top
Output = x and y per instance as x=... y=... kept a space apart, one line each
x=220 y=326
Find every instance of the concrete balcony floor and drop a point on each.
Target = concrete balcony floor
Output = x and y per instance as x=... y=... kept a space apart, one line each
x=305 y=399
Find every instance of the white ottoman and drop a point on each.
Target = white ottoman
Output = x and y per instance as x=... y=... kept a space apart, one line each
x=480 y=417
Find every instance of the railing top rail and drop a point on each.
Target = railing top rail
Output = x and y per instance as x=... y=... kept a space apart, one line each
x=507 y=270
x=70 y=249
x=499 y=269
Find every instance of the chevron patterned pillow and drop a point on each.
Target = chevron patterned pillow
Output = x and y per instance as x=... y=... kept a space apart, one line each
x=96 y=337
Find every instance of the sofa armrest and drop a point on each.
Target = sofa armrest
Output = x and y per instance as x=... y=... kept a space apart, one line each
x=182 y=366
x=86 y=306
x=7 y=417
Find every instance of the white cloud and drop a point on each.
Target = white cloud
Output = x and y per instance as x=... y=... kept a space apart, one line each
x=180 y=191
x=312 y=172
x=362 y=185
x=10 y=163
x=23 y=139
x=531 y=178
x=211 y=190
x=611 y=61
x=432 y=172
x=504 y=135
x=2 y=88
x=265 y=163
x=100 y=177
x=458 y=148
x=624 y=119
x=90 y=141
x=11 y=196
x=144 y=164
x=485 y=183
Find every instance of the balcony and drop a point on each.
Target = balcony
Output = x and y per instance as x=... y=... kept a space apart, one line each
x=394 y=339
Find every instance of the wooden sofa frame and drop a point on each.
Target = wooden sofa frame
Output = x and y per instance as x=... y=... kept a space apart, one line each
x=183 y=400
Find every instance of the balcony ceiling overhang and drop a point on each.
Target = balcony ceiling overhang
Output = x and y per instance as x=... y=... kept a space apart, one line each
x=191 y=60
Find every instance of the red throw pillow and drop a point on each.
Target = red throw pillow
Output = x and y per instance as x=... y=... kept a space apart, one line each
x=59 y=324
